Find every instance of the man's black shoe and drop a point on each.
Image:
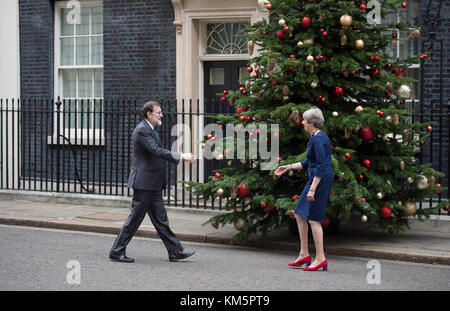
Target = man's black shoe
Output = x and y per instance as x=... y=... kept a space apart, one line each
x=121 y=258
x=180 y=255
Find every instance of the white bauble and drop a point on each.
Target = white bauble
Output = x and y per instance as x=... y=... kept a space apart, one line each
x=313 y=85
x=281 y=22
x=310 y=58
x=422 y=182
x=300 y=43
x=404 y=91
x=364 y=218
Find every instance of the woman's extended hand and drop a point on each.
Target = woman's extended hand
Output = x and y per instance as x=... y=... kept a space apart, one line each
x=281 y=170
x=310 y=196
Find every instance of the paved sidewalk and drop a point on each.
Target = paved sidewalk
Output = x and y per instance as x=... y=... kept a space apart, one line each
x=427 y=242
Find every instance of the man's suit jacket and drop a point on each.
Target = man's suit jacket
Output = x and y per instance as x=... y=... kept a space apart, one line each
x=148 y=156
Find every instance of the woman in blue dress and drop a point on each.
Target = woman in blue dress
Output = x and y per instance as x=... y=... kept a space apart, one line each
x=311 y=207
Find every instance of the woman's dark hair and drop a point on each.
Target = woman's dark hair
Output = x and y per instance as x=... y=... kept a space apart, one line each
x=148 y=107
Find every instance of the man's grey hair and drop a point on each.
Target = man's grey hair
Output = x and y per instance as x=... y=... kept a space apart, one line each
x=148 y=107
x=315 y=116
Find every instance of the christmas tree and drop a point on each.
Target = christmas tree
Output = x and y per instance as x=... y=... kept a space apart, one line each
x=327 y=54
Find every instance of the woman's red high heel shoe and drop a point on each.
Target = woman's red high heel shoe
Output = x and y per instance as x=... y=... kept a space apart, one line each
x=323 y=265
x=300 y=262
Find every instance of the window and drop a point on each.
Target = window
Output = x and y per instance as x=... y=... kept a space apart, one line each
x=405 y=47
x=223 y=38
x=79 y=66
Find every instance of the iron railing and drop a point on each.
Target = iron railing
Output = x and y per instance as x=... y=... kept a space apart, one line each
x=68 y=147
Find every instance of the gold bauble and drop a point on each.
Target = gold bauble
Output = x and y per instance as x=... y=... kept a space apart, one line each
x=220 y=192
x=346 y=20
x=347 y=133
x=215 y=225
x=402 y=165
x=308 y=41
x=431 y=180
x=409 y=208
x=359 y=44
x=414 y=34
x=233 y=192
x=393 y=43
x=239 y=224
x=357 y=200
x=341 y=177
x=343 y=40
x=359 y=109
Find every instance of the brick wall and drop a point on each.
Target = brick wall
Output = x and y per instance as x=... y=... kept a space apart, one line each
x=436 y=97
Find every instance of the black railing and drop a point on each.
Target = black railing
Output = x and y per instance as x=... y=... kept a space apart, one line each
x=83 y=146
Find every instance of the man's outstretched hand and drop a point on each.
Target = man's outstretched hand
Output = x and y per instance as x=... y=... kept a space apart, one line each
x=188 y=157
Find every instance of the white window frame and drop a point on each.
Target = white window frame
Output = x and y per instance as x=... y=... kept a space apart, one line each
x=96 y=137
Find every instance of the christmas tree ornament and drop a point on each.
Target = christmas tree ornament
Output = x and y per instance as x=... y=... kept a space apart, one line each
x=341 y=177
x=300 y=43
x=393 y=44
x=280 y=34
x=338 y=91
x=404 y=4
x=431 y=180
x=379 y=195
x=404 y=91
x=402 y=165
x=414 y=34
x=389 y=119
x=335 y=114
x=322 y=17
x=348 y=155
x=215 y=225
x=243 y=191
x=367 y=163
x=429 y=128
x=359 y=109
x=250 y=46
x=422 y=182
x=385 y=212
x=396 y=119
x=362 y=7
x=343 y=40
x=285 y=90
x=308 y=41
x=359 y=44
x=347 y=133
x=281 y=22
x=409 y=208
x=346 y=20
x=220 y=192
x=239 y=224
x=410 y=180
x=310 y=58
x=364 y=218
x=313 y=84
x=366 y=134
x=230 y=163
x=357 y=200
x=306 y=22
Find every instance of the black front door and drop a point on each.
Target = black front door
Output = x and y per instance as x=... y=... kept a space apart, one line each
x=220 y=76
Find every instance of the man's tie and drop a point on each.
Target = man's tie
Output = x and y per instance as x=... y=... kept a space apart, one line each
x=156 y=133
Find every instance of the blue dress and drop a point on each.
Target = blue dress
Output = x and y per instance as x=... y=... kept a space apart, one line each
x=318 y=163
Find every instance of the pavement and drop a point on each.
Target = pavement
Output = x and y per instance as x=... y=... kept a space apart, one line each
x=428 y=241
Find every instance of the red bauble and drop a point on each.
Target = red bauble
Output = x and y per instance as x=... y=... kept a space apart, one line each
x=429 y=128
x=366 y=134
x=271 y=208
x=223 y=98
x=367 y=163
x=249 y=69
x=225 y=92
x=280 y=34
x=263 y=205
x=363 y=7
x=385 y=212
x=404 y=4
x=348 y=155
x=306 y=22
x=339 y=91
x=218 y=175
x=243 y=192
x=295 y=197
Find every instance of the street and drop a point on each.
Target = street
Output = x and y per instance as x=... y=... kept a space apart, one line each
x=48 y=259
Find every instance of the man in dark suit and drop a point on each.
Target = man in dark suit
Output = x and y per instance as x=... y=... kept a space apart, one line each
x=147 y=180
